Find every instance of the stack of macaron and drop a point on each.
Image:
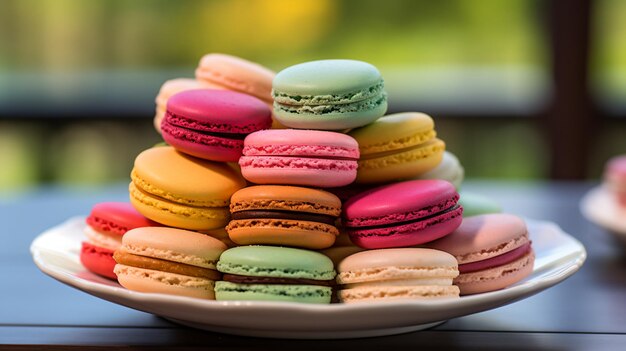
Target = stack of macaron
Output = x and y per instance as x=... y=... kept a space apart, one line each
x=291 y=187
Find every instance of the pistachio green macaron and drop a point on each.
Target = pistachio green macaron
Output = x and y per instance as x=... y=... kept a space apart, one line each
x=329 y=95
x=270 y=273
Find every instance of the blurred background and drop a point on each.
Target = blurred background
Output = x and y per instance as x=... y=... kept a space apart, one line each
x=519 y=89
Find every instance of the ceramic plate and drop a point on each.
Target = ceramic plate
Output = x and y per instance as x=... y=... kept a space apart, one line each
x=599 y=207
x=56 y=253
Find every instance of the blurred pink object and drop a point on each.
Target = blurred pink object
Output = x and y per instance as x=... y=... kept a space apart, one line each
x=615 y=178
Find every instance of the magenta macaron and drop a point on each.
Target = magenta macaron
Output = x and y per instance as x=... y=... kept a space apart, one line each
x=493 y=251
x=212 y=124
x=402 y=214
x=299 y=157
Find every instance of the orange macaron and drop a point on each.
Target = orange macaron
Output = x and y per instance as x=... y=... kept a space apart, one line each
x=284 y=215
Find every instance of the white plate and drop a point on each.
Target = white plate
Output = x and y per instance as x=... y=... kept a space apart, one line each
x=600 y=207
x=56 y=253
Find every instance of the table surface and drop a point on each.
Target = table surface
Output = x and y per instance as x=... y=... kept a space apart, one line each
x=587 y=311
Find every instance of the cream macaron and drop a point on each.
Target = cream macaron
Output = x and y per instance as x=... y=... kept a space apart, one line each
x=403 y=273
x=169 y=261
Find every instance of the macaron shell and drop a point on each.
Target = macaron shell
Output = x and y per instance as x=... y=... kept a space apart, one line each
x=237 y=74
x=174 y=245
x=291 y=142
x=226 y=291
x=325 y=77
x=405 y=164
x=496 y=278
x=309 y=235
x=272 y=261
x=219 y=111
x=98 y=260
x=314 y=172
x=151 y=281
x=393 y=293
x=280 y=197
x=116 y=218
x=177 y=215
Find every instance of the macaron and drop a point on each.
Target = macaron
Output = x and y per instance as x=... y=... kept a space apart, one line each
x=181 y=191
x=237 y=74
x=493 y=251
x=329 y=95
x=476 y=204
x=212 y=124
x=391 y=274
x=402 y=214
x=172 y=87
x=169 y=261
x=342 y=248
x=273 y=273
x=299 y=157
x=106 y=224
x=615 y=178
x=397 y=146
x=284 y=215
x=449 y=169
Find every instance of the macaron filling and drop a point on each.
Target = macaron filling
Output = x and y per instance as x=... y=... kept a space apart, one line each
x=157 y=264
x=499 y=260
x=322 y=99
x=331 y=108
x=277 y=214
x=243 y=279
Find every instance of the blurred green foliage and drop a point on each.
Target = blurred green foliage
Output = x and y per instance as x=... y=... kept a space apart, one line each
x=425 y=48
x=70 y=34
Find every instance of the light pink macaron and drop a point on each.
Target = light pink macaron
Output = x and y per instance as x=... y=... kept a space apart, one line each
x=299 y=157
x=493 y=251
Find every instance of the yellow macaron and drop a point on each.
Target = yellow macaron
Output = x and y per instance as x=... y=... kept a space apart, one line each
x=397 y=146
x=183 y=191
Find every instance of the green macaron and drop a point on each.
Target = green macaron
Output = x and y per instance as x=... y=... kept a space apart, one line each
x=329 y=95
x=269 y=273
x=475 y=204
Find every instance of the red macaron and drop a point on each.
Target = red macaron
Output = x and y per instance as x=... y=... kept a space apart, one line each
x=106 y=224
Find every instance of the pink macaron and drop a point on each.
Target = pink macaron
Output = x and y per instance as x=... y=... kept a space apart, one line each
x=300 y=157
x=402 y=214
x=493 y=250
x=106 y=224
x=615 y=178
x=212 y=124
